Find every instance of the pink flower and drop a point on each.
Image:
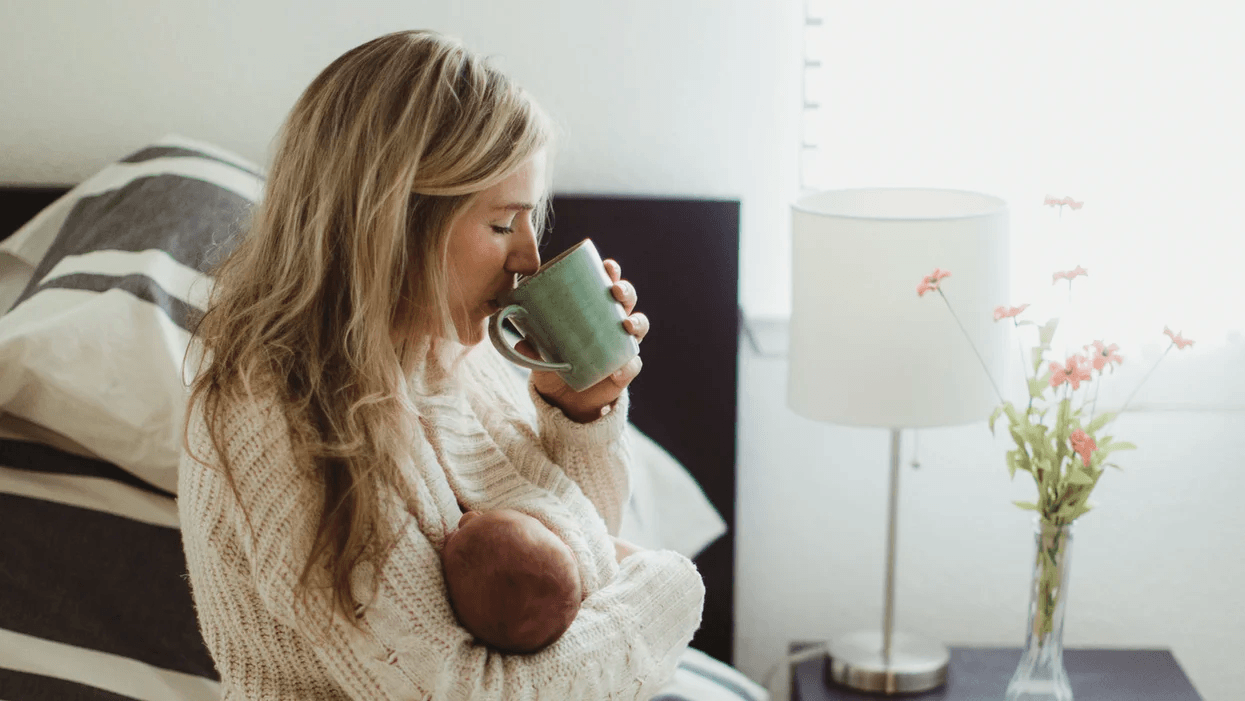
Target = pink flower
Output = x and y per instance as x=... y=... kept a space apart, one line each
x=1177 y=339
x=1052 y=201
x=1083 y=444
x=930 y=283
x=1105 y=355
x=1001 y=313
x=1069 y=274
x=1074 y=371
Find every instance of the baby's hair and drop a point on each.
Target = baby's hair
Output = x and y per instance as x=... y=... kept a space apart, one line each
x=522 y=609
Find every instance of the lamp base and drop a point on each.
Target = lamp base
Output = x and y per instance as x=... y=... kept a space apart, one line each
x=916 y=663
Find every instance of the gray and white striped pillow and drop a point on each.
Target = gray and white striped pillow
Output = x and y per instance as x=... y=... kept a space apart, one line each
x=93 y=346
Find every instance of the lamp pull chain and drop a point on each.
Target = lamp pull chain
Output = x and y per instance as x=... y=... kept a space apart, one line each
x=916 y=447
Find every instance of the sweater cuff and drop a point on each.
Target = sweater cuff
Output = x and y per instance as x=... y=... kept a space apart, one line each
x=668 y=605
x=553 y=424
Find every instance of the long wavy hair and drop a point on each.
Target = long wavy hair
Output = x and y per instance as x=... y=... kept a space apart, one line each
x=344 y=263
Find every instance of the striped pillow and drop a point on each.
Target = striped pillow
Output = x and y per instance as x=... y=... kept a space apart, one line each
x=94 y=345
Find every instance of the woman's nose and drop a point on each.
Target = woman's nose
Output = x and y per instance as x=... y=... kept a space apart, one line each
x=524 y=257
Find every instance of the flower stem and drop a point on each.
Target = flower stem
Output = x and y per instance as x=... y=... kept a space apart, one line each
x=1024 y=368
x=972 y=345
x=1143 y=380
x=1094 y=407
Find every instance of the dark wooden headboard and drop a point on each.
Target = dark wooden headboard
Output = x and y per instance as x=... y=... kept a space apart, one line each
x=683 y=257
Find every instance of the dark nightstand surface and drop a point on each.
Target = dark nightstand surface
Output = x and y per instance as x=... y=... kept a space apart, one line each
x=982 y=673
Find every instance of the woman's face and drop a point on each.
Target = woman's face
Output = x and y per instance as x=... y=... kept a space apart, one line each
x=492 y=242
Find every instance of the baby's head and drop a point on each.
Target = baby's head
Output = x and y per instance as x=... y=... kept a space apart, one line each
x=512 y=582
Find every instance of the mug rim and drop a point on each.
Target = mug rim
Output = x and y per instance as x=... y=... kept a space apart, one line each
x=549 y=265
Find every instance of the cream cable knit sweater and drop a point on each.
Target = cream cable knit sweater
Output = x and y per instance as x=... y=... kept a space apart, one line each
x=636 y=619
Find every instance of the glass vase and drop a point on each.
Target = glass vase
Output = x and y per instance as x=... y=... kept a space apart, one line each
x=1041 y=675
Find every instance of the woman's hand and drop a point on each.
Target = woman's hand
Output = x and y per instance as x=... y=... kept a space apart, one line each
x=623 y=549
x=586 y=406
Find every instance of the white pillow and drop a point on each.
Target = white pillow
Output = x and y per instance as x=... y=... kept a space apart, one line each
x=14 y=274
x=667 y=509
x=93 y=347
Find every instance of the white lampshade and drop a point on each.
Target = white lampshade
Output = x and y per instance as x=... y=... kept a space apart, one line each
x=865 y=349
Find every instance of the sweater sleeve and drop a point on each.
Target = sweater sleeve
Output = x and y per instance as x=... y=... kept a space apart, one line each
x=595 y=455
x=624 y=643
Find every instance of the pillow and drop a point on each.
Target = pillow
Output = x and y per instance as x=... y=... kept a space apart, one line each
x=93 y=346
x=667 y=509
x=14 y=274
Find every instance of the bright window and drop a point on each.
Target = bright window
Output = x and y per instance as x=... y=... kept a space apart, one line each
x=1137 y=110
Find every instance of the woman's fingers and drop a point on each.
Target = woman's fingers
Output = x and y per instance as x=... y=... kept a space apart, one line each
x=524 y=347
x=624 y=375
x=613 y=269
x=625 y=293
x=637 y=325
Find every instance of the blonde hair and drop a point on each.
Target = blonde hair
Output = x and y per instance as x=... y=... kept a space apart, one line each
x=345 y=260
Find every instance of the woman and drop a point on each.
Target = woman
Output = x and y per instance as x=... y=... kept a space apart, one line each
x=346 y=414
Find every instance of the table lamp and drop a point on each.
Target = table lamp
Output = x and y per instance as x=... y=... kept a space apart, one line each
x=866 y=350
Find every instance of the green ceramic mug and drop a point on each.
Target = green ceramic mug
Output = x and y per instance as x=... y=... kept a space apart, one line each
x=568 y=313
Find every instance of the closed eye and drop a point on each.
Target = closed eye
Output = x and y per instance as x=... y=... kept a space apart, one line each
x=503 y=229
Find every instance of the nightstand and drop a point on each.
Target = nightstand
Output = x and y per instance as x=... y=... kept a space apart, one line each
x=982 y=673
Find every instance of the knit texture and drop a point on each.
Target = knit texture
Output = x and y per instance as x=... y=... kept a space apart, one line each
x=497 y=445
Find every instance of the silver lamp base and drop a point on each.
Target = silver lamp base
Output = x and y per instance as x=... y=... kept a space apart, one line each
x=916 y=663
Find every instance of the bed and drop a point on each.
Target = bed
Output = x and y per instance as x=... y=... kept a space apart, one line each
x=93 y=598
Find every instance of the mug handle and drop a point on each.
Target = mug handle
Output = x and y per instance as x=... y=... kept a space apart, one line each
x=514 y=356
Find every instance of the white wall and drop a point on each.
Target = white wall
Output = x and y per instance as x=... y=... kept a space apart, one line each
x=657 y=97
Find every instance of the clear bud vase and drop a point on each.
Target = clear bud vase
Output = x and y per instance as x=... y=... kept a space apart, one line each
x=1041 y=675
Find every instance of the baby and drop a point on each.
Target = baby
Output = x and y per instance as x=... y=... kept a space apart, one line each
x=512 y=582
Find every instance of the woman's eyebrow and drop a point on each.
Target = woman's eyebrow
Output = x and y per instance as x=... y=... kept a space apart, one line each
x=515 y=207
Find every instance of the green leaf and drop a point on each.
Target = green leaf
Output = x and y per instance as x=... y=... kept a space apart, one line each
x=1071 y=512
x=1037 y=358
x=1035 y=434
x=1019 y=439
x=1100 y=422
x=1022 y=461
x=1078 y=476
x=1026 y=505
x=1111 y=464
x=1011 y=464
x=1014 y=416
x=994 y=417
x=1122 y=445
x=1037 y=385
x=1040 y=463
x=1047 y=332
